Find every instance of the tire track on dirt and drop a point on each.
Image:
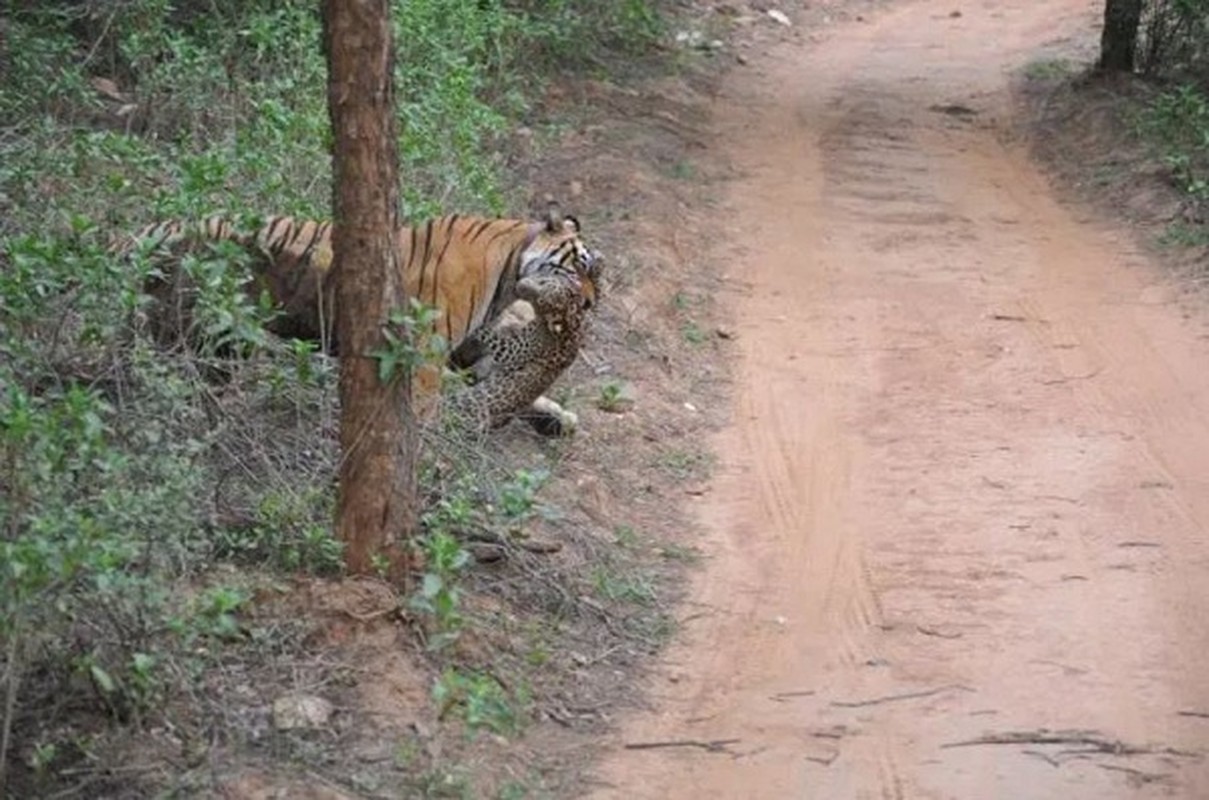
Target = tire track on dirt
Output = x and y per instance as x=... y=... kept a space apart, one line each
x=963 y=493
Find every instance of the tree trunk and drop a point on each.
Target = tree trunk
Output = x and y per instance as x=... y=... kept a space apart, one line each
x=1119 y=41
x=377 y=508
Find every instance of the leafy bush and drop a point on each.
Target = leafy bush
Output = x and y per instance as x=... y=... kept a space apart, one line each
x=1178 y=120
x=129 y=467
x=223 y=105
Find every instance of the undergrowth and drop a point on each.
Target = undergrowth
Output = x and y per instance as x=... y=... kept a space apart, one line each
x=1173 y=52
x=1165 y=106
x=1177 y=122
x=150 y=493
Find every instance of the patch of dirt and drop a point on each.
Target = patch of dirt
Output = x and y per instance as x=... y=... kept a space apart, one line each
x=953 y=540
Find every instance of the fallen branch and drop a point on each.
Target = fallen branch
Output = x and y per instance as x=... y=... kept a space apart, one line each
x=825 y=760
x=712 y=746
x=1058 y=497
x=1089 y=739
x=837 y=732
x=369 y=616
x=933 y=632
x=493 y=537
x=1069 y=378
x=1086 y=738
x=895 y=697
x=781 y=697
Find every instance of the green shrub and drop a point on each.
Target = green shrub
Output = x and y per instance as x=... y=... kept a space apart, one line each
x=1178 y=120
x=130 y=470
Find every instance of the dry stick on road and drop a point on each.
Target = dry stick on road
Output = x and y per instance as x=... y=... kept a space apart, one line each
x=824 y=760
x=1067 y=379
x=1090 y=739
x=895 y=697
x=712 y=746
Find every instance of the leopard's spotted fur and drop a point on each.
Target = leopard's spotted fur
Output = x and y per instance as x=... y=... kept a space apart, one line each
x=515 y=364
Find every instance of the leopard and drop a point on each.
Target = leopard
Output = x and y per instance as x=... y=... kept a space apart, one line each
x=508 y=367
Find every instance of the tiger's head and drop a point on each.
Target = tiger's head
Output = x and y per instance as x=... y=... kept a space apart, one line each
x=555 y=247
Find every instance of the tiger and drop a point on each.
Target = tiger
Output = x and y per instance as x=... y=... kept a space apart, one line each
x=465 y=267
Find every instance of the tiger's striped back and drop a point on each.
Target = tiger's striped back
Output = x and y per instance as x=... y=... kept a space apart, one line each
x=465 y=267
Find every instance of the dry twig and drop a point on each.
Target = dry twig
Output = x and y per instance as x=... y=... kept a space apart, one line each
x=895 y=697
x=712 y=745
x=1095 y=742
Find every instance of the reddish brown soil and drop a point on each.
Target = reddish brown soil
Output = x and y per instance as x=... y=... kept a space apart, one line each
x=964 y=493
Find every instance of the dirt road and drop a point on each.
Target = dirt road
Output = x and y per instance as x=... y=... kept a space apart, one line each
x=957 y=536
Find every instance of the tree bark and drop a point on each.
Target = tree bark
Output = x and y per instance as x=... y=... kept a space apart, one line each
x=377 y=510
x=1119 y=41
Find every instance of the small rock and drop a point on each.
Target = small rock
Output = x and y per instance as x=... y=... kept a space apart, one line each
x=954 y=13
x=779 y=16
x=576 y=188
x=724 y=333
x=741 y=59
x=690 y=407
x=689 y=38
x=301 y=711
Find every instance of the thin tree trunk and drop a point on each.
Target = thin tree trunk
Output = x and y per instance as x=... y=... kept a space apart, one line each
x=1119 y=41
x=377 y=508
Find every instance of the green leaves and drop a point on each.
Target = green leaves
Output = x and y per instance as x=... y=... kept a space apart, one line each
x=438 y=595
x=410 y=341
x=1177 y=123
x=480 y=700
x=518 y=496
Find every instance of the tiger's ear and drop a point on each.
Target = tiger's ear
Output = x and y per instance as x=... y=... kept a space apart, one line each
x=570 y=224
